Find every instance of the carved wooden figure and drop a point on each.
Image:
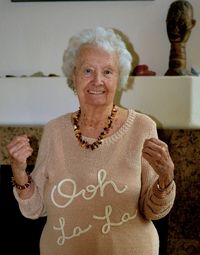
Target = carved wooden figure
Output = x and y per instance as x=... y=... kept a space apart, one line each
x=179 y=26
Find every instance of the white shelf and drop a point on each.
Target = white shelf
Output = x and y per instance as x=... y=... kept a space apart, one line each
x=173 y=101
x=34 y=101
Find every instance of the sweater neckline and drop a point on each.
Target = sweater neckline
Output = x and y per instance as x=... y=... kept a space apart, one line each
x=119 y=133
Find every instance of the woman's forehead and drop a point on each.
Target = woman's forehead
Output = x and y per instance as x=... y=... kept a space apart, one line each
x=90 y=51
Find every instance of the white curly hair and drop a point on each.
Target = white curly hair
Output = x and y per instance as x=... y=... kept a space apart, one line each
x=105 y=38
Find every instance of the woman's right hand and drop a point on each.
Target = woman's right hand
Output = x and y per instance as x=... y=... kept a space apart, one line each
x=19 y=150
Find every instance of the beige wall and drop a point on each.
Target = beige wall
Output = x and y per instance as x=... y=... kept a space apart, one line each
x=34 y=35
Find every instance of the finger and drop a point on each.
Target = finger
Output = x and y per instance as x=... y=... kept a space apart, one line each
x=156 y=148
x=17 y=145
x=153 y=153
x=155 y=143
x=161 y=166
x=17 y=140
x=158 y=166
x=22 y=150
x=22 y=154
x=19 y=159
x=156 y=159
x=151 y=161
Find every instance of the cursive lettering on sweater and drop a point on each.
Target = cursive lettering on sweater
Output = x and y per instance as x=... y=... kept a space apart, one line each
x=77 y=231
x=107 y=226
x=88 y=193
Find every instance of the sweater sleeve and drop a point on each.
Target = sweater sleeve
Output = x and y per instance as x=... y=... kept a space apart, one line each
x=154 y=203
x=33 y=207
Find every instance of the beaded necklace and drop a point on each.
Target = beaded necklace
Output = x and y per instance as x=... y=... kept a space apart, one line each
x=102 y=135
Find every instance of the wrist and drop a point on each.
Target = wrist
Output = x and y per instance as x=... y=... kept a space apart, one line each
x=161 y=192
x=165 y=180
x=22 y=183
x=163 y=186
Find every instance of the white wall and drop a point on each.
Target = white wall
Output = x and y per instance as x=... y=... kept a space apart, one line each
x=34 y=35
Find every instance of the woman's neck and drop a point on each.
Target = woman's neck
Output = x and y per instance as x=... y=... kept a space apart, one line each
x=94 y=122
x=95 y=117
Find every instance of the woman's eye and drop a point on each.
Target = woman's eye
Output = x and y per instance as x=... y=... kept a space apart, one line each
x=87 y=71
x=107 y=72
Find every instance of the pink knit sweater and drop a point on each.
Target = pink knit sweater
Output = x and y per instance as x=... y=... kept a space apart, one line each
x=97 y=202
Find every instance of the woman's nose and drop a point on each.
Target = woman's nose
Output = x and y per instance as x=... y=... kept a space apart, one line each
x=98 y=78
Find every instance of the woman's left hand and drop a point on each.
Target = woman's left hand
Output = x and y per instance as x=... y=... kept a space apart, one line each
x=157 y=154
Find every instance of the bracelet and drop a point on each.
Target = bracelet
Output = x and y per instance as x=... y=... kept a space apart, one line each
x=160 y=189
x=21 y=187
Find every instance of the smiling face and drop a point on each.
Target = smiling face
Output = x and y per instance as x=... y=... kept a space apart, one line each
x=96 y=76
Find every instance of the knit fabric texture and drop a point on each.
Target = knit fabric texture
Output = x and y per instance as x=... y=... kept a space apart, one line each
x=99 y=202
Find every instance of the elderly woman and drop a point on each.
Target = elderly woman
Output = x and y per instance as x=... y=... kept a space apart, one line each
x=101 y=174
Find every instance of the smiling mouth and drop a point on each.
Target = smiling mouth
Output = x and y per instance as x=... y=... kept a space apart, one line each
x=94 y=92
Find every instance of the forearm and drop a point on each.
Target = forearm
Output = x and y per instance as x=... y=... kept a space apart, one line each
x=23 y=183
x=158 y=202
x=26 y=193
x=30 y=201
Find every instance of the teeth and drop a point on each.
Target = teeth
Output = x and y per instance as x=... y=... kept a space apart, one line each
x=96 y=92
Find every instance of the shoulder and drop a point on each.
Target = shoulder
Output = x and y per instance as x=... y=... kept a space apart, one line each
x=144 y=119
x=58 y=122
x=143 y=123
x=140 y=118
